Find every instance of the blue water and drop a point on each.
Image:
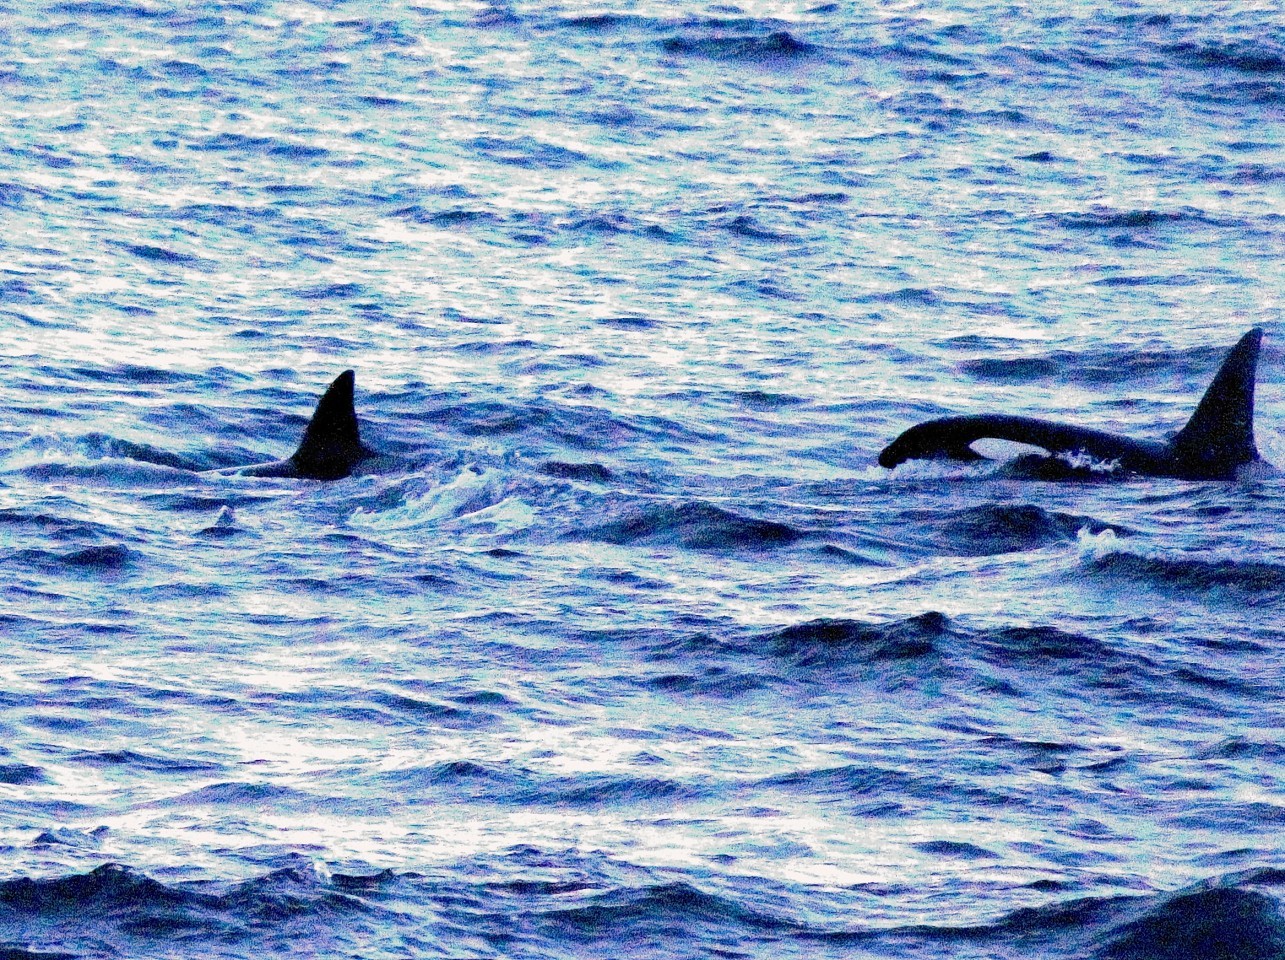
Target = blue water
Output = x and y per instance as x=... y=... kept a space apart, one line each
x=633 y=650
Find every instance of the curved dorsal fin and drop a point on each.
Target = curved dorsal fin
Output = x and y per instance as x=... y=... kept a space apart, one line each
x=331 y=444
x=1219 y=437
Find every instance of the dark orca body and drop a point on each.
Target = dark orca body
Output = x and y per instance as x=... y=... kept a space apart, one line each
x=331 y=445
x=1216 y=442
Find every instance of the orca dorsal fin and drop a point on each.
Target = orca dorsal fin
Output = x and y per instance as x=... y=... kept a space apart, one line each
x=1219 y=437
x=331 y=443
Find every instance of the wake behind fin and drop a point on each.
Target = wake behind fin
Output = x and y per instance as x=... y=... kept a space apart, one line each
x=1219 y=437
x=331 y=444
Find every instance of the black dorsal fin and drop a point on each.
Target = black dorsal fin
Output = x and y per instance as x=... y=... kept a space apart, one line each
x=331 y=443
x=1219 y=437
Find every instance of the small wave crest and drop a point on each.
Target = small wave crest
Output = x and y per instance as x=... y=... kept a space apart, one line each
x=1103 y=554
x=1110 y=218
x=696 y=526
x=1221 y=922
x=112 y=905
x=1219 y=919
x=774 y=49
x=672 y=906
x=930 y=649
x=920 y=470
x=1241 y=57
x=99 y=558
x=819 y=641
x=1113 y=364
x=97 y=456
x=995 y=528
x=513 y=785
x=477 y=496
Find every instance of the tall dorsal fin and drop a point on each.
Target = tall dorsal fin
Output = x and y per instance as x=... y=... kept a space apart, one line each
x=1219 y=437
x=331 y=443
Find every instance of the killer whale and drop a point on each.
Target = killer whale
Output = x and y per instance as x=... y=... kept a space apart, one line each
x=331 y=446
x=1216 y=442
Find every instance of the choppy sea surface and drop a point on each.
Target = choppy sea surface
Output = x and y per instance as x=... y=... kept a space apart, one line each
x=630 y=649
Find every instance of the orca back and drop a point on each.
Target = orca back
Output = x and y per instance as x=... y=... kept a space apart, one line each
x=1219 y=437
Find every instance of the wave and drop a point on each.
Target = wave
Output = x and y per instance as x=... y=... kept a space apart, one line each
x=748 y=228
x=54 y=456
x=715 y=682
x=1221 y=919
x=105 y=446
x=586 y=898
x=331 y=291
x=1010 y=646
x=250 y=795
x=603 y=22
x=1147 y=280
x=995 y=528
x=454 y=218
x=582 y=472
x=265 y=146
x=437 y=714
x=696 y=526
x=144 y=761
x=1111 y=365
x=594 y=791
x=929 y=650
x=104 y=558
x=21 y=774
x=14 y=196
x=1240 y=748
x=1246 y=93
x=161 y=254
x=512 y=785
x=825 y=640
x=1218 y=919
x=106 y=8
x=554 y=429
x=110 y=885
x=909 y=296
x=534 y=154
x=1103 y=556
x=776 y=48
x=48 y=522
x=954 y=849
x=1107 y=218
x=1215 y=56
x=668 y=906
x=939 y=114
x=114 y=910
x=764 y=400
x=1221 y=922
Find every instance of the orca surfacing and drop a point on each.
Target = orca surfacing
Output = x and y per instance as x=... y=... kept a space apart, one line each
x=1216 y=442
x=331 y=446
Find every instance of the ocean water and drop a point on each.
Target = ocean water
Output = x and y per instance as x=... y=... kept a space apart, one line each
x=630 y=649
